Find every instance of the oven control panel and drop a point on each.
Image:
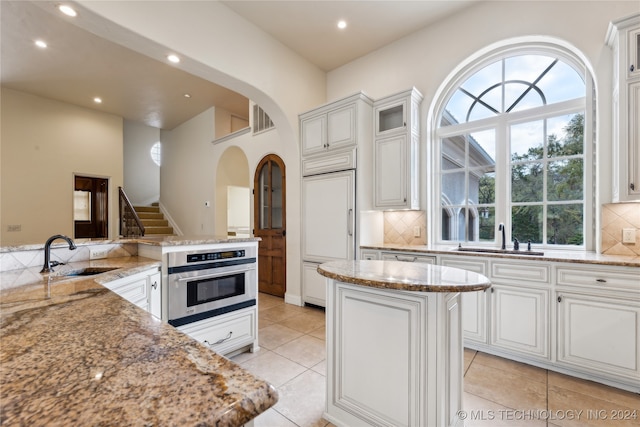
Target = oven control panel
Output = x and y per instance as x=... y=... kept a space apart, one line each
x=214 y=256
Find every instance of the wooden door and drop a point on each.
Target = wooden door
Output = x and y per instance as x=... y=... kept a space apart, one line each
x=270 y=224
x=95 y=223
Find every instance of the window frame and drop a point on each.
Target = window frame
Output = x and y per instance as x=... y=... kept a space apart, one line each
x=501 y=124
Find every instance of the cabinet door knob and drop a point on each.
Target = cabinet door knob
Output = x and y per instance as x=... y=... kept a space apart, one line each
x=560 y=299
x=155 y=285
x=632 y=186
x=632 y=68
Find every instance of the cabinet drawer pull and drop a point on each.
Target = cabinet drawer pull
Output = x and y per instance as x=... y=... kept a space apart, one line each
x=406 y=259
x=601 y=280
x=220 y=341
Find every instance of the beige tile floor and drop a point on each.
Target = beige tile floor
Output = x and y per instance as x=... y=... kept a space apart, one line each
x=497 y=392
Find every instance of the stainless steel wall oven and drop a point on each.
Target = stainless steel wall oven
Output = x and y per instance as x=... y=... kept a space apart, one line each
x=207 y=283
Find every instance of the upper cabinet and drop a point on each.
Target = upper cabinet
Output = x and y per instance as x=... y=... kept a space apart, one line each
x=396 y=151
x=333 y=126
x=624 y=38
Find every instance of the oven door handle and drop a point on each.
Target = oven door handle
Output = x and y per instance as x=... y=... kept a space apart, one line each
x=218 y=274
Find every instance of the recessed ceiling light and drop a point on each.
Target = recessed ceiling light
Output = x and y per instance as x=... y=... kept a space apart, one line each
x=173 y=58
x=67 y=10
x=187 y=95
x=41 y=44
x=342 y=24
x=97 y=100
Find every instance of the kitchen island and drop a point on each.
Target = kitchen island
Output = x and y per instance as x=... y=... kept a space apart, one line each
x=394 y=342
x=75 y=353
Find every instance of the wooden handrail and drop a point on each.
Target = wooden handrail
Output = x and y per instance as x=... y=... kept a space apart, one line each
x=125 y=204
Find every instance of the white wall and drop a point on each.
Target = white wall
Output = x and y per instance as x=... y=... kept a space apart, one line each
x=141 y=174
x=44 y=143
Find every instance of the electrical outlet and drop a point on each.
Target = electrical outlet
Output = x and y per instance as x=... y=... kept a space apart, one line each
x=98 y=253
x=628 y=235
x=16 y=227
x=416 y=231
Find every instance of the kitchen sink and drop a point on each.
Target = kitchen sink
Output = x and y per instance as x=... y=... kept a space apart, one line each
x=88 y=271
x=499 y=251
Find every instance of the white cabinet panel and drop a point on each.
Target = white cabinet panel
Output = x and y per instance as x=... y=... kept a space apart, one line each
x=155 y=295
x=328 y=204
x=391 y=172
x=407 y=257
x=600 y=334
x=314 y=130
x=341 y=127
x=226 y=333
x=520 y=319
x=314 y=287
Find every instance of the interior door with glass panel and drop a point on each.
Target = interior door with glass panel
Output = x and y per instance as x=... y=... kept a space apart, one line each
x=270 y=224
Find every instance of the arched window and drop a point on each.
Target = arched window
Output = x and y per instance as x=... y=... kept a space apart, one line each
x=513 y=147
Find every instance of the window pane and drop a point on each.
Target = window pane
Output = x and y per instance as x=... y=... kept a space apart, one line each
x=276 y=196
x=527 y=223
x=482 y=186
x=490 y=105
x=487 y=217
x=520 y=97
x=490 y=75
x=526 y=67
x=565 y=224
x=527 y=141
x=527 y=182
x=566 y=135
x=453 y=152
x=565 y=180
x=562 y=83
x=482 y=148
x=457 y=108
x=453 y=187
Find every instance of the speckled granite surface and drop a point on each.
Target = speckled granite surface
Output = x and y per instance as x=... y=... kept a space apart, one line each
x=553 y=256
x=74 y=353
x=400 y=275
x=192 y=240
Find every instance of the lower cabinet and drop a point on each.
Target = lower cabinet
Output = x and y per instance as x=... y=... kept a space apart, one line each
x=393 y=358
x=315 y=286
x=407 y=257
x=139 y=289
x=520 y=320
x=228 y=332
x=599 y=334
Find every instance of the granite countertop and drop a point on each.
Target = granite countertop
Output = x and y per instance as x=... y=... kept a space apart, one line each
x=580 y=257
x=192 y=240
x=75 y=353
x=404 y=276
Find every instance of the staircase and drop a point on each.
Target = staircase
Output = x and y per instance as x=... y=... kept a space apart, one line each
x=153 y=221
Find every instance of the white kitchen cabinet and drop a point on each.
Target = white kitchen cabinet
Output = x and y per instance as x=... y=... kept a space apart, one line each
x=407 y=257
x=396 y=151
x=474 y=304
x=137 y=289
x=624 y=38
x=328 y=227
x=155 y=295
x=314 y=289
x=416 y=336
x=520 y=319
x=600 y=335
x=228 y=332
x=333 y=126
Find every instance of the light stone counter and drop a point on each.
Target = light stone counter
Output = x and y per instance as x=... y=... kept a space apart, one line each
x=75 y=353
x=399 y=275
x=580 y=257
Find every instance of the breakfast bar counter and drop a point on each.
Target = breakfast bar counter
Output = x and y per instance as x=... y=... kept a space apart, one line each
x=394 y=342
x=75 y=353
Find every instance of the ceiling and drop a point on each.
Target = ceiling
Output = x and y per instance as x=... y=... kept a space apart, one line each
x=78 y=66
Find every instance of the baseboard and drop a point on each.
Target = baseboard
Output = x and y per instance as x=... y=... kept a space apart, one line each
x=172 y=223
x=293 y=299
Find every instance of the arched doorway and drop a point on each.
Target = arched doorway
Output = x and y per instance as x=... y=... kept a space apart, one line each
x=270 y=224
x=233 y=197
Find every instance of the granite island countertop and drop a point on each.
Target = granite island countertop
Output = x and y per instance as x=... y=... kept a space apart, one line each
x=398 y=275
x=75 y=353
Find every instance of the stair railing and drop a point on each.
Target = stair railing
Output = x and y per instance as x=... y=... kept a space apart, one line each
x=130 y=223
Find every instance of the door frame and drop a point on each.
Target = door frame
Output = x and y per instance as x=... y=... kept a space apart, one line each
x=107 y=212
x=256 y=207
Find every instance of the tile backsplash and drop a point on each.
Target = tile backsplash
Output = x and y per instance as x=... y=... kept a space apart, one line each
x=400 y=227
x=615 y=218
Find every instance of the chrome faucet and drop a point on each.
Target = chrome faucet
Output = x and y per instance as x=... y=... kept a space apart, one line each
x=47 y=268
x=501 y=228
